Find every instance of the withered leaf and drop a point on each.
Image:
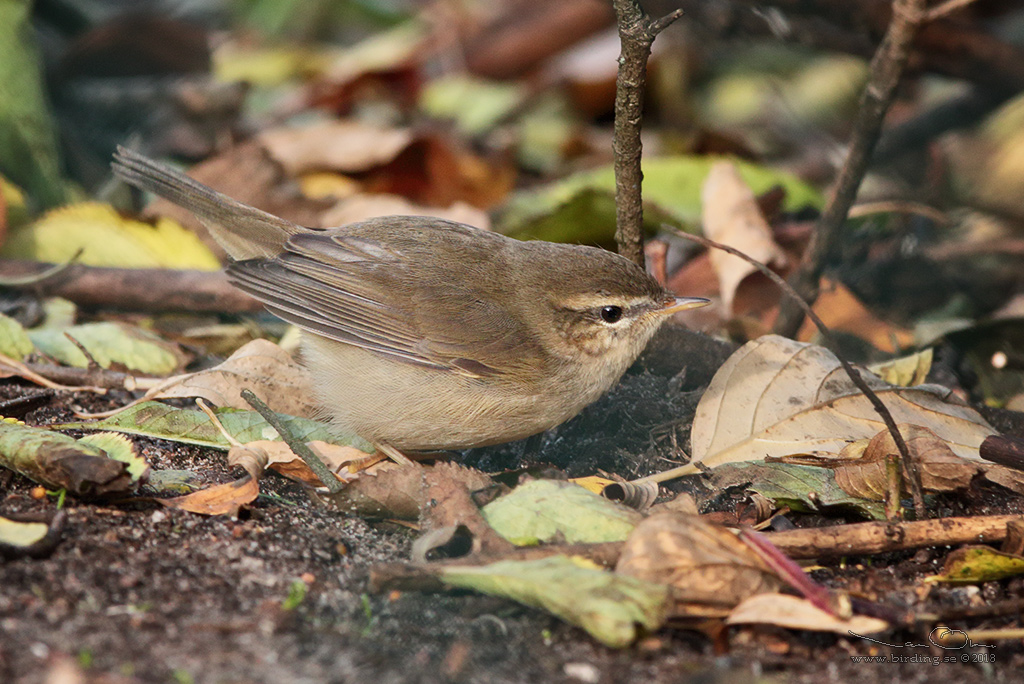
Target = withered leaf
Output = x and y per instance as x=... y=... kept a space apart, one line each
x=709 y=569
x=223 y=499
x=793 y=612
x=776 y=397
x=941 y=470
x=261 y=366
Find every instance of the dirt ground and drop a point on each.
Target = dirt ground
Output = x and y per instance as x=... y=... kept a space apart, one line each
x=140 y=593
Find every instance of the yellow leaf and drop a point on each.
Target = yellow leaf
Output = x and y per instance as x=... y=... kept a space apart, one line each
x=107 y=239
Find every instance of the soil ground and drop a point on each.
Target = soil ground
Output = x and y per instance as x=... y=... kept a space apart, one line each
x=141 y=593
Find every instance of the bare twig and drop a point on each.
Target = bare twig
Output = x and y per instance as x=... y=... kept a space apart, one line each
x=886 y=70
x=300 y=449
x=93 y=364
x=41 y=276
x=132 y=289
x=49 y=376
x=637 y=32
x=945 y=8
x=909 y=464
x=861 y=539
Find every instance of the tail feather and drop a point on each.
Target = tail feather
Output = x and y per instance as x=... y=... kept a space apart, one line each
x=245 y=232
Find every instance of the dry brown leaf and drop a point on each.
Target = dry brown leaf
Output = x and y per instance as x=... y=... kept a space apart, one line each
x=262 y=366
x=709 y=569
x=224 y=499
x=941 y=470
x=257 y=456
x=394 y=491
x=732 y=217
x=1005 y=477
x=362 y=207
x=449 y=488
x=775 y=397
x=793 y=612
x=346 y=146
x=840 y=309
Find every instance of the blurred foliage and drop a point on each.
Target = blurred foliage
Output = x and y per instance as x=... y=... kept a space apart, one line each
x=28 y=142
x=318 y=19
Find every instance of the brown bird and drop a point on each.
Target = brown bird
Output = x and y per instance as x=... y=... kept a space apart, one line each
x=425 y=334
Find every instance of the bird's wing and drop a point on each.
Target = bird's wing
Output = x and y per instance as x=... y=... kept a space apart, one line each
x=397 y=301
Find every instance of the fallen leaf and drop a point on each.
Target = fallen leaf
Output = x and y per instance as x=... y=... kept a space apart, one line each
x=592 y=483
x=14 y=341
x=62 y=462
x=841 y=310
x=191 y=426
x=104 y=238
x=905 y=371
x=257 y=456
x=775 y=397
x=793 y=612
x=977 y=564
x=732 y=217
x=224 y=499
x=261 y=366
x=337 y=145
x=798 y=487
x=864 y=475
x=608 y=605
x=393 y=491
x=34 y=537
x=110 y=343
x=362 y=207
x=453 y=506
x=672 y=190
x=542 y=510
x=475 y=105
x=707 y=566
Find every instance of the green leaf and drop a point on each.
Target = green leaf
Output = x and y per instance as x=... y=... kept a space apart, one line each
x=475 y=105
x=672 y=192
x=109 y=343
x=14 y=341
x=119 y=448
x=191 y=426
x=609 y=606
x=801 y=488
x=61 y=462
x=542 y=510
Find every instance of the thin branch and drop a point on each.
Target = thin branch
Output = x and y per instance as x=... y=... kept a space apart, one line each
x=131 y=289
x=41 y=276
x=865 y=539
x=946 y=8
x=909 y=464
x=886 y=69
x=297 y=446
x=636 y=32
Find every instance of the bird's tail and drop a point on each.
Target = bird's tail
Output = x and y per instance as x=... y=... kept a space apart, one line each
x=245 y=232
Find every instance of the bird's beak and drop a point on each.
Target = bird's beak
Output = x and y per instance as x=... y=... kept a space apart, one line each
x=675 y=304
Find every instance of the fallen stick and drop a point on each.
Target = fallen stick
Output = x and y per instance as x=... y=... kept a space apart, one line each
x=864 y=539
x=136 y=289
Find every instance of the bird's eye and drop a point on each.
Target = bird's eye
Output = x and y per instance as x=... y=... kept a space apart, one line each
x=611 y=314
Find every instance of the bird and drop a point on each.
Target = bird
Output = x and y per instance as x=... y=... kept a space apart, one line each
x=423 y=334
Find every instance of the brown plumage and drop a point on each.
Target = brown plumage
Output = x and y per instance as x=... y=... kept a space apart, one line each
x=429 y=334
